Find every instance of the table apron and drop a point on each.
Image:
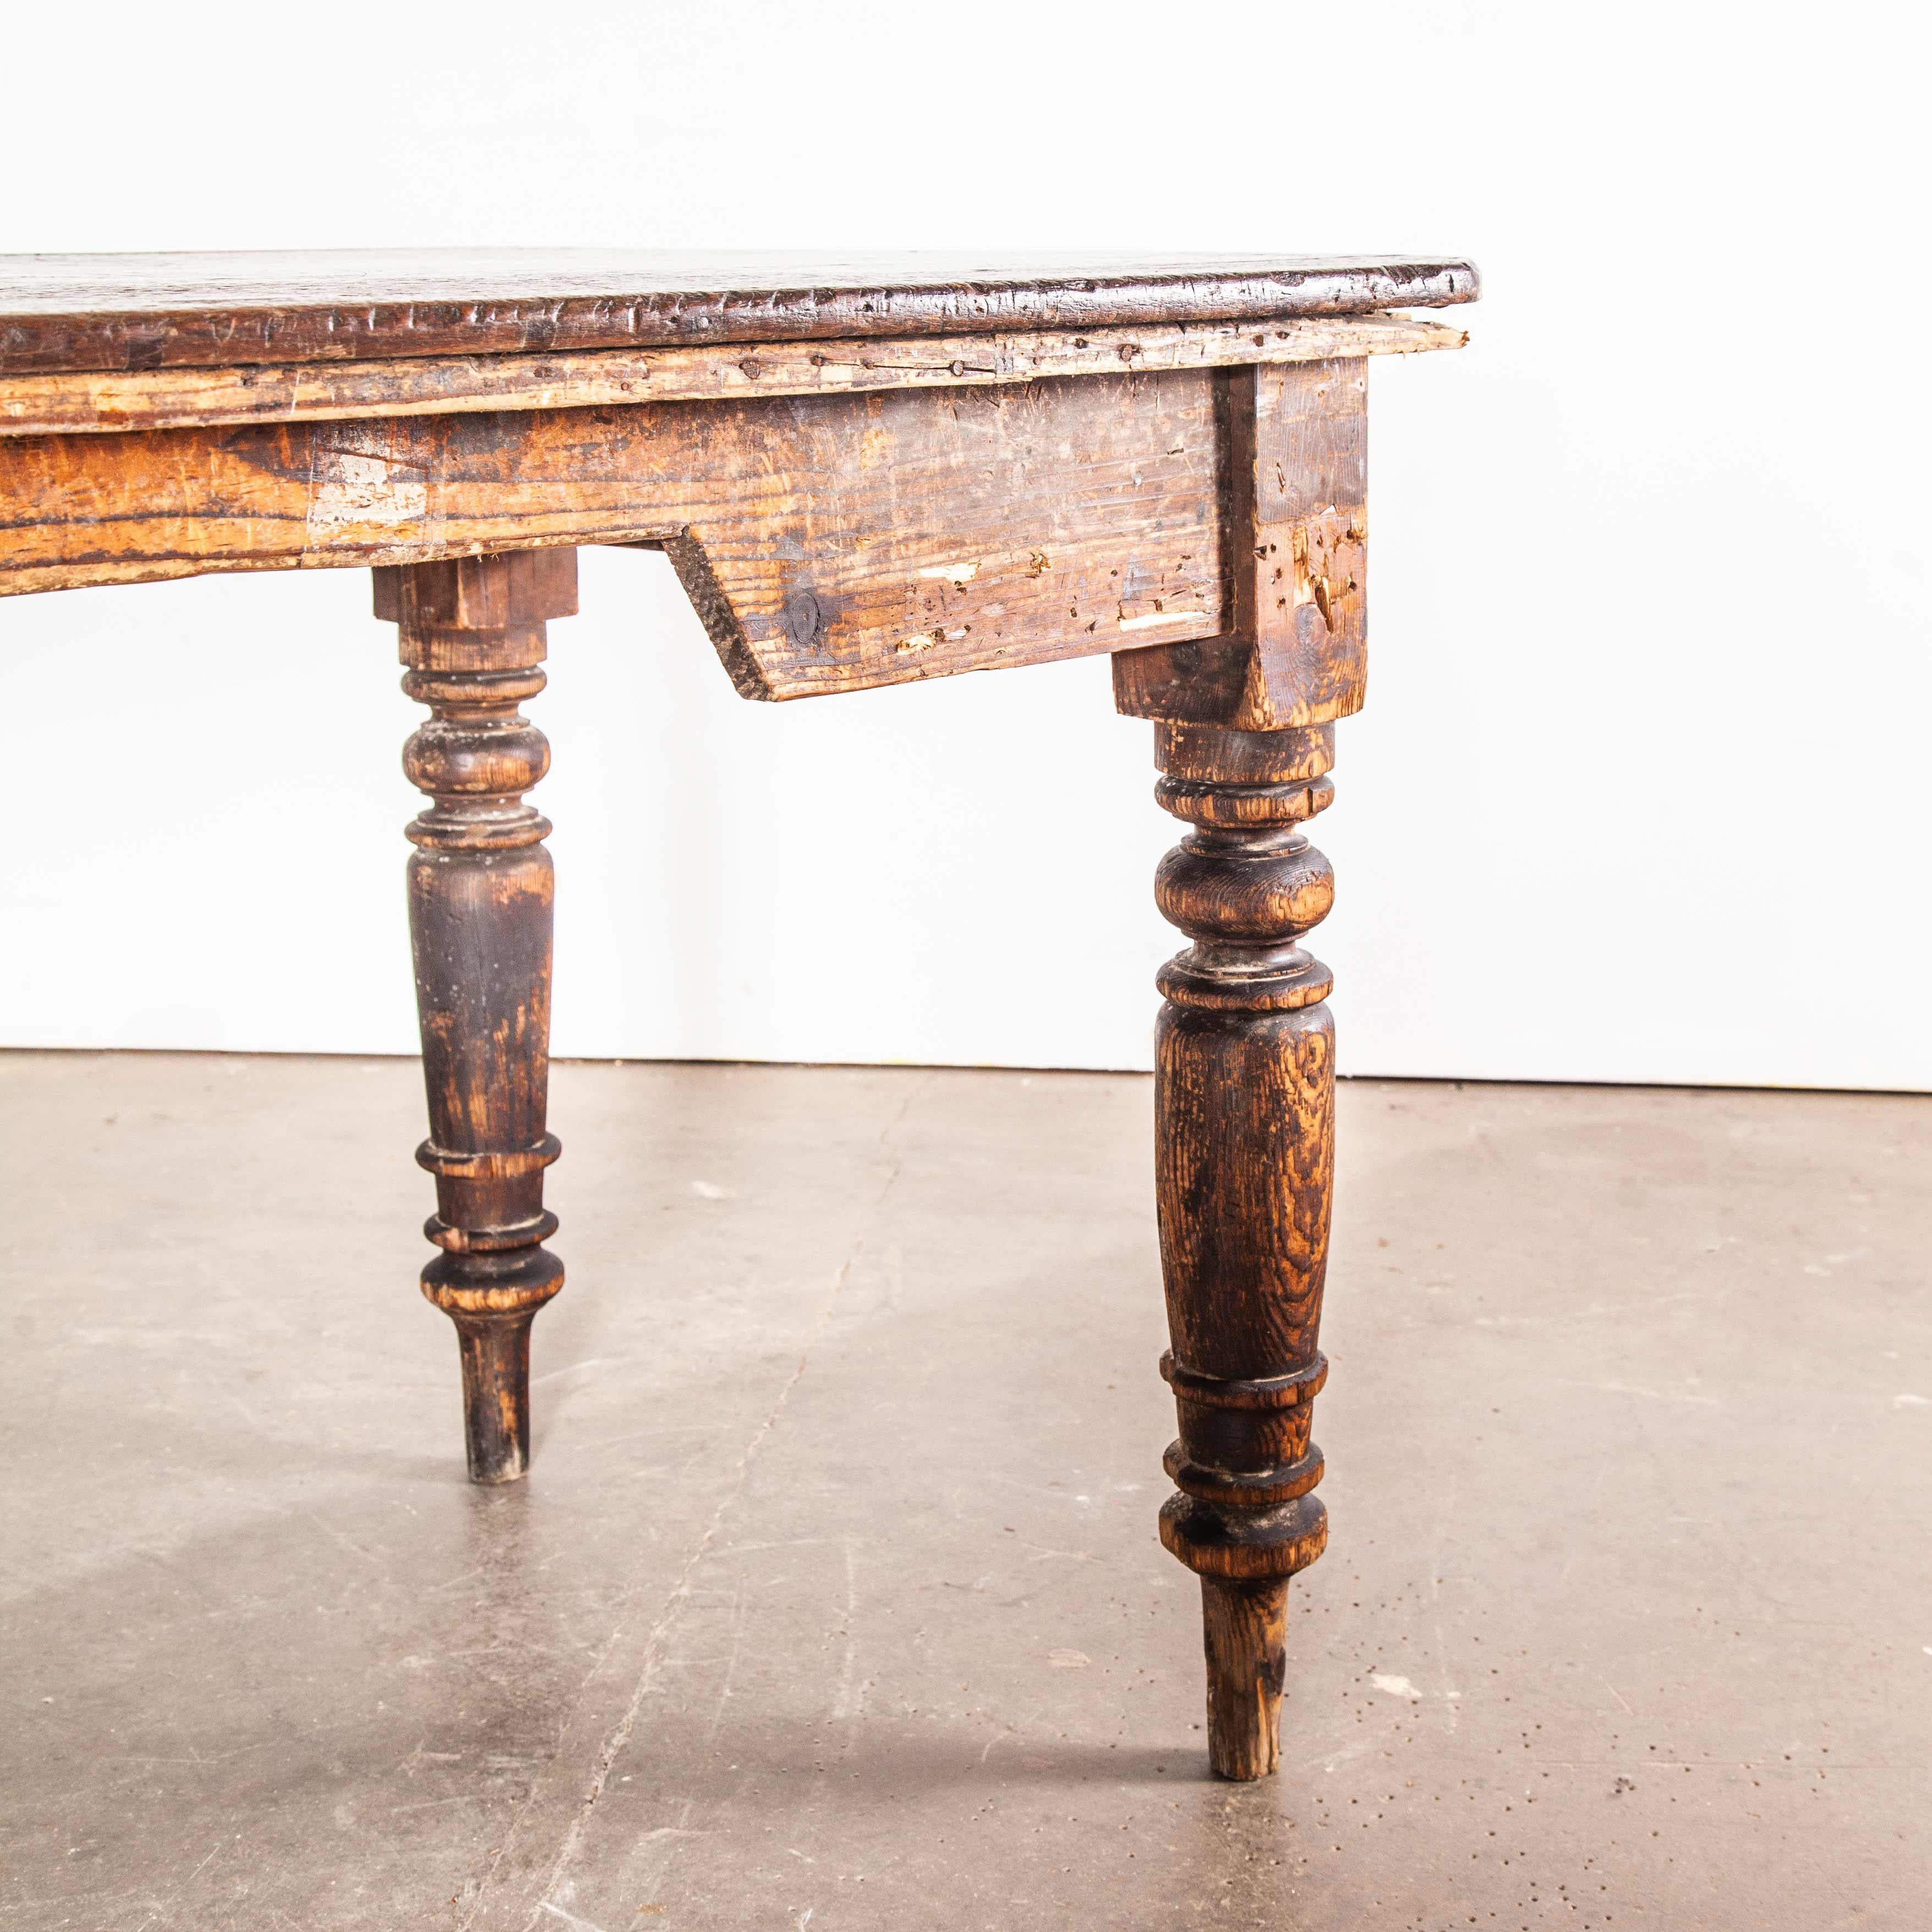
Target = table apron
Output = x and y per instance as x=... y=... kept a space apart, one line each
x=829 y=542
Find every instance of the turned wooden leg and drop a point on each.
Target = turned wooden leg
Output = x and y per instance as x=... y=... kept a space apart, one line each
x=472 y=633
x=1244 y=1090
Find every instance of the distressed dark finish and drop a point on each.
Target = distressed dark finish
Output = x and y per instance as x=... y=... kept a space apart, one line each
x=1244 y=1101
x=472 y=635
x=65 y=312
x=865 y=472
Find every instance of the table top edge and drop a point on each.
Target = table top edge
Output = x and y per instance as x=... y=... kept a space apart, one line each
x=130 y=313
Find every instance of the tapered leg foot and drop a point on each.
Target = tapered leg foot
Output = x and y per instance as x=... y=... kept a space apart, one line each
x=492 y=1299
x=496 y=1351
x=1245 y=1626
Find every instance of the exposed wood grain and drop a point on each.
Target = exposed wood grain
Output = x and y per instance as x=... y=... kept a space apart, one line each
x=1244 y=1164
x=68 y=312
x=831 y=542
x=968 y=532
x=1296 y=515
x=1244 y=1632
x=480 y=892
x=174 y=398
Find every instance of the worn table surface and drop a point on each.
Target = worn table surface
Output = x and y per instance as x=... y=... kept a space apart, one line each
x=113 y=312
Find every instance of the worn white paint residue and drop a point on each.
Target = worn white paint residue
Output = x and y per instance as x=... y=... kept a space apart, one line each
x=1162 y=617
x=1068 y=1660
x=1396 y=1687
x=351 y=490
x=1911 y=1402
x=710 y=1190
x=953 y=573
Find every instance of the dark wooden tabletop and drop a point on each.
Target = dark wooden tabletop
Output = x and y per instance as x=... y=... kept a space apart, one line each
x=120 y=312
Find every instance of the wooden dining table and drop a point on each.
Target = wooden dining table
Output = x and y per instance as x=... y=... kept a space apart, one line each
x=865 y=470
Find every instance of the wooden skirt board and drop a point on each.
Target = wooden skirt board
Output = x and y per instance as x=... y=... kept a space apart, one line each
x=864 y=471
x=830 y=541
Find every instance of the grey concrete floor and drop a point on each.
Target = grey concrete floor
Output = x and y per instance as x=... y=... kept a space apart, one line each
x=835 y=1599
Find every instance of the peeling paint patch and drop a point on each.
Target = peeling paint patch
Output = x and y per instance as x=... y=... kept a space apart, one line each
x=352 y=490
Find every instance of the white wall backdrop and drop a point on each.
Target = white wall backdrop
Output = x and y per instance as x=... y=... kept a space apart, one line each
x=1637 y=796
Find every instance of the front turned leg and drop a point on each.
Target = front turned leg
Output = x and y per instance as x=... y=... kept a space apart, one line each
x=480 y=895
x=1244 y=1099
